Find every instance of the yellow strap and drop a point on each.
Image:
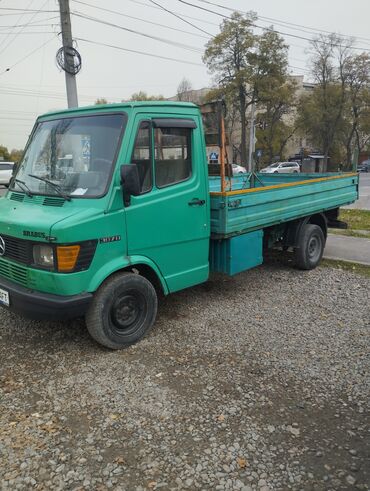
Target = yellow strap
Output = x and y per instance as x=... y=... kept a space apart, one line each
x=277 y=186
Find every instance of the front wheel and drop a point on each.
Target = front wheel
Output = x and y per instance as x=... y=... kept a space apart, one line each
x=311 y=244
x=123 y=311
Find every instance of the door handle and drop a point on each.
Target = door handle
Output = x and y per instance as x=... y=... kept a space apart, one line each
x=197 y=202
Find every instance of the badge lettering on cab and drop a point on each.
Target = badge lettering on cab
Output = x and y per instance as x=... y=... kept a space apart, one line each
x=113 y=238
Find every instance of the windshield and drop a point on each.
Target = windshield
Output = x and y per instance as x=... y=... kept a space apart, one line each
x=71 y=156
x=274 y=165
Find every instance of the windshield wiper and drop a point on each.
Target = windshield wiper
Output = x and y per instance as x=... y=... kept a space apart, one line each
x=24 y=187
x=55 y=186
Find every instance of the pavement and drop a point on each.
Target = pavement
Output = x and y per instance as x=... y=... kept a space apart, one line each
x=344 y=248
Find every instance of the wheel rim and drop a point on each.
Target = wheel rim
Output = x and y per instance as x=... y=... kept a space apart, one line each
x=127 y=312
x=314 y=248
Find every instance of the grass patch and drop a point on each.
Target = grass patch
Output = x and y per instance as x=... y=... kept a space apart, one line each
x=356 y=220
x=360 y=269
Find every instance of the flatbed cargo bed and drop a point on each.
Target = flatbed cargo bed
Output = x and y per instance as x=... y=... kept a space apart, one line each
x=276 y=198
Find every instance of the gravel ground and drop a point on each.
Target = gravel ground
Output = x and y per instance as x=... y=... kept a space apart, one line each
x=256 y=382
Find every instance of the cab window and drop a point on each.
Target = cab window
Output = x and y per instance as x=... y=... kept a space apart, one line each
x=141 y=156
x=172 y=155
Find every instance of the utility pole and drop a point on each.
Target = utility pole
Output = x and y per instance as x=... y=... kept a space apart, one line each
x=251 y=140
x=65 y=24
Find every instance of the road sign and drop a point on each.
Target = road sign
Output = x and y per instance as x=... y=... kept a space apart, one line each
x=85 y=142
x=213 y=156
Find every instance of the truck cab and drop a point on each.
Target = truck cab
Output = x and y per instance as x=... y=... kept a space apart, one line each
x=68 y=226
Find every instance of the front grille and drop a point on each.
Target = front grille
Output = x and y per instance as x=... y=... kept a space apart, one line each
x=14 y=272
x=57 y=202
x=86 y=255
x=17 y=197
x=38 y=200
x=18 y=250
x=21 y=251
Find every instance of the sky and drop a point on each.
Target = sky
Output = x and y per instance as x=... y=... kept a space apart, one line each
x=29 y=40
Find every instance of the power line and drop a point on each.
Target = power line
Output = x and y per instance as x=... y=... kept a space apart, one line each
x=156 y=38
x=279 y=21
x=139 y=19
x=139 y=52
x=28 y=32
x=17 y=34
x=33 y=92
x=21 y=16
x=267 y=28
x=179 y=17
x=30 y=24
x=187 y=16
x=27 y=56
x=26 y=10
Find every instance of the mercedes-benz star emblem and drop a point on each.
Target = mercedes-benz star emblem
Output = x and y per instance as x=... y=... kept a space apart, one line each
x=2 y=246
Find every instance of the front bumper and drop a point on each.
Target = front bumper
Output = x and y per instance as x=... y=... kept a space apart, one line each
x=44 y=306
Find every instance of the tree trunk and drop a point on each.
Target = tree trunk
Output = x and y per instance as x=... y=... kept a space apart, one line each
x=349 y=145
x=243 y=123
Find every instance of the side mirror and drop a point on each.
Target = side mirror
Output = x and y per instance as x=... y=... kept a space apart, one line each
x=130 y=182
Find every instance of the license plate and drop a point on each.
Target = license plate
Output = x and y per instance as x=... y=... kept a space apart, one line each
x=4 y=297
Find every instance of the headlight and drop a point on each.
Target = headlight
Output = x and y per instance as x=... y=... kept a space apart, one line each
x=43 y=256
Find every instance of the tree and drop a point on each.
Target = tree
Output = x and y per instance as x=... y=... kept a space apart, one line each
x=184 y=90
x=358 y=104
x=277 y=126
x=244 y=64
x=101 y=100
x=321 y=114
x=143 y=96
x=16 y=155
x=4 y=153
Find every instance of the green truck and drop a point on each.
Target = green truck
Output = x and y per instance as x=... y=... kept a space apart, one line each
x=112 y=206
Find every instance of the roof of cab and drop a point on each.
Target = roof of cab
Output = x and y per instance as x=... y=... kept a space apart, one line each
x=120 y=105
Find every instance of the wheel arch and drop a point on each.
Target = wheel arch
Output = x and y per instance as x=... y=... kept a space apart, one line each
x=136 y=264
x=320 y=220
x=294 y=228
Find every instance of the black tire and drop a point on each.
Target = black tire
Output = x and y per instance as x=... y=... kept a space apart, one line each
x=123 y=311
x=276 y=172
x=311 y=244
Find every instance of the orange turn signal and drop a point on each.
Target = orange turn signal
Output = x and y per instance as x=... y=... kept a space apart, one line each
x=67 y=257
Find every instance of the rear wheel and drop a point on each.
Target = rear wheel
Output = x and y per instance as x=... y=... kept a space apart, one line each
x=123 y=311
x=311 y=244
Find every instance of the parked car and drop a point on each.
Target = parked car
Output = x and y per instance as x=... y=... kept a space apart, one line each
x=282 y=167
x=364 y=166
x=238 y=169
x=6 y=172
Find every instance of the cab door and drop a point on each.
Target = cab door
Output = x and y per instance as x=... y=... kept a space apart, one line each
x=169 y=221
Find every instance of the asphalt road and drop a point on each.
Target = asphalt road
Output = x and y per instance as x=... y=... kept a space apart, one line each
x=363 y=203
x=353 y=249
